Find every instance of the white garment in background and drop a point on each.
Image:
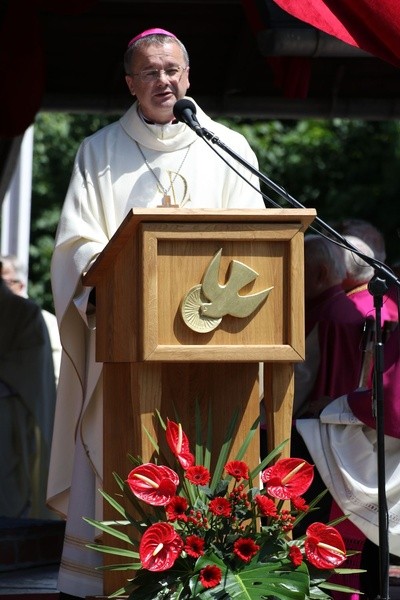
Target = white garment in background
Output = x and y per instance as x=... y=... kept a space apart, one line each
x=344 y=451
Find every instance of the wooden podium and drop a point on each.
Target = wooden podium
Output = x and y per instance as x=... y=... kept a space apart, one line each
x=154 y=360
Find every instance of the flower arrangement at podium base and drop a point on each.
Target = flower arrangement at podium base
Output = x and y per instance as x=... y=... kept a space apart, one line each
x=220 y=536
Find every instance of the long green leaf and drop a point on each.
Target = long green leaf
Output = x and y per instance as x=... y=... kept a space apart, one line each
x=208 y=446
x=338 y=588
x=225 y=449
x=118 y=593
x=113 y=550
x=152 y=440
x=268 y=459
x=102 y=525
x=243 y=448
x=116 y=505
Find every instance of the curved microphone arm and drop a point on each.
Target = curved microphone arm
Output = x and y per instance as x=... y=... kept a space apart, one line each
x=380 y=268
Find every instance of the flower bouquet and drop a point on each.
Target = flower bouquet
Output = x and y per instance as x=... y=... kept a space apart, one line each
x=198 y=535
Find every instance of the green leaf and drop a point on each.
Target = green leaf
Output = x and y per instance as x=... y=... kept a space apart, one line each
x=256 y=581
x=243 y=448
x=152 y=440
x=116 y=505
x=267 y=459
x=225 y=449
x=102 y=525
x=113 y=550
x=338 y=588
x=340 y=571
x=118 y=593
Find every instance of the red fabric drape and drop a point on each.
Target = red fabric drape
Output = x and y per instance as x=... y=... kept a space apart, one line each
x=22 y=60
x=372 y=25
x=291 y=74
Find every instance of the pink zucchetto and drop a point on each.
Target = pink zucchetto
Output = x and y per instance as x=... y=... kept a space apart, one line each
x=155 y=31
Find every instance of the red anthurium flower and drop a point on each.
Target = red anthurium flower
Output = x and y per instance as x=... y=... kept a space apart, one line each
x=245 y=549
x=154 y=484
x=194 y=546
x=295 y=556
x=221 y=507
x=266 y=506
x=324 y=546
x=198 y=475
x=176 y=509
x=159 y=547
x=210 y=576
x=238 y=469
x=288 y=478
x=179 y=444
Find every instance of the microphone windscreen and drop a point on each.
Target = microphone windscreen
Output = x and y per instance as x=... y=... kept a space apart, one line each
x=181 y=105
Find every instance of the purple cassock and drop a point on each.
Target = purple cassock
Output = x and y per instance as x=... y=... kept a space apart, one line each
x=340 y=334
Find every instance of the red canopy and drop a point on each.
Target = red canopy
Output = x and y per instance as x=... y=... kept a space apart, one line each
x=372 y=25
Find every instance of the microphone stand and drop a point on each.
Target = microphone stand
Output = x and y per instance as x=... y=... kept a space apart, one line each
x=377 y=287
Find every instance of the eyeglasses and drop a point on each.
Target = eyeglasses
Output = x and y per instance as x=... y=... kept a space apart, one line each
x=172 y=73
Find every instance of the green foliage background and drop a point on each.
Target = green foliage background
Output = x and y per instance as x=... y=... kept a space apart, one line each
x=342 y=168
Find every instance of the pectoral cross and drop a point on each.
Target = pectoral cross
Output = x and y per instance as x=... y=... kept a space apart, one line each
x=166 y=202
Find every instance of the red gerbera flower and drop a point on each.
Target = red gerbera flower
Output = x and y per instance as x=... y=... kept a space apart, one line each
x=288 y=478
x=194 y=546
x=221 y=507
x=176 y=509
x=198 y=475
x=300 y=504
x=154 y=484
x=210 y=576
x=179 y=444
x=324 y=546
x=245 y=549
x=266 y=506
x=295 y=556
x=159 y=547
x=238 y=469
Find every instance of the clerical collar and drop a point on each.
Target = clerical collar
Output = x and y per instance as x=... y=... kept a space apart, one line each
x=149 y=122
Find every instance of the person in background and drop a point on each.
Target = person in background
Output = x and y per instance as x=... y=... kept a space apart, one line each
x=14 y=275
x=333 y=329
x=27 y=400
x=358 y=275
x=370 y=235
x=146 y=159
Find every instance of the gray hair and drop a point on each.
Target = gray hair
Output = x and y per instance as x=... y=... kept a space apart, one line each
x=367 y=232
x=156 y=38
x=358 y=271
x=322 y=251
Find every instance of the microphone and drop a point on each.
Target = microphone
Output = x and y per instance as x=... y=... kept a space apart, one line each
x=185 y=112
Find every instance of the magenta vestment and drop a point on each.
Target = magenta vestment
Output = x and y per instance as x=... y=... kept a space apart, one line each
x=364 y=302
x=340 y=328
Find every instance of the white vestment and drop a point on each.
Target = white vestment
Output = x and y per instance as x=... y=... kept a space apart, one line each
x=344 y=451
x=110 y=177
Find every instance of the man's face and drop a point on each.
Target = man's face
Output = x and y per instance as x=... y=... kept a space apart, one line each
x=9 y=277
x=157 y=97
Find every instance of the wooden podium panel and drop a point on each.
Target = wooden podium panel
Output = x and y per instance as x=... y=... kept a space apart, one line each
x=150 y=265
x=154 y=361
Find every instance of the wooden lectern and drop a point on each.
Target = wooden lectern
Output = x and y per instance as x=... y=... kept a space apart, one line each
x=154 y=360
